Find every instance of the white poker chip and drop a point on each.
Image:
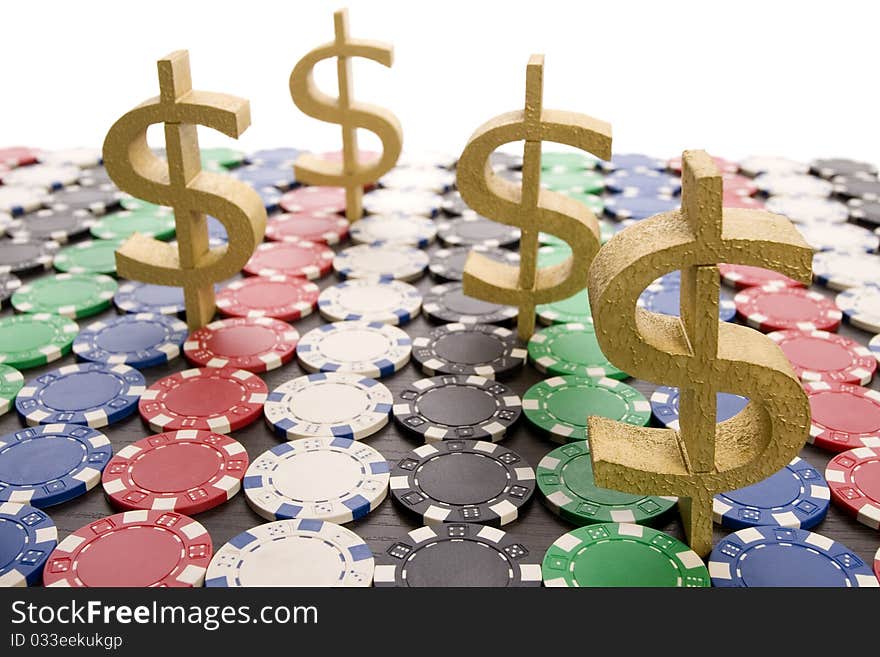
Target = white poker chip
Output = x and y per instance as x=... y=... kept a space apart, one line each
x=367 y=348
x=371 y=300
x=426 y=159
x=402 y=201
x=329 y=479
x=84 y=158
x=380 y=260
x=408 y=229
x=840 y=270
x=808 y=209
x=19 y=200
x=756 y=165
x=861 y=306
x=472 y=229
x=432 y=179
x=328 y=404
x=823 y=236
x=793 y=184
x=42 y=176
x=295 y=553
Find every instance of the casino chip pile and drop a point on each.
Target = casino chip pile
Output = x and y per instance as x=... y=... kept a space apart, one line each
x=478 y=424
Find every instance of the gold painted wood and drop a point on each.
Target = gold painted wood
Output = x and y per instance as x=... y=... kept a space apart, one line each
x=528 y=206
x=180 y=183
x=350 y=173
x=696 y=353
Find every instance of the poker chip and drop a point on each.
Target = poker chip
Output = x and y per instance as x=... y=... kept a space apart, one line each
x=577 y=182
x=282 y=483
x=773 y=308
x=549 y=255
x=303 y=259
x=402 y=201
x=480 y=349
x=471 y=228
x=363 y=157
x=453 y=204
x=665 y=298
x=283 y=297
x=18 y=156
x=854 y=479
x=448 y=303
x=89 y=257
x=57 y=225
x=621 y=554
x=370 y=300
x=186 y=471
x=83 y=157
x=50 y=464
x=411 y=230
x=42 y=176
x=135 y=297
x=560 y=405
x=386 y=261
x=35 y=339
x=265 y=176
x=94 y=176
x=119 y=225
x=11 y=381
x=664 y=405
x=328 y=404
x=795 y=496
x=793 y=184
x=571 y=348
x=864 y=187
x=840 y=270
x=27 y=538
x=573 y=309
x=432 y=179
x=785 y=556
x=132 y=549
x=307 y=226
x=565 y=479
x=283 y=156
x=370 y=349
x=734 y=200
x=19 y=200
x=808 y=209
x=217 y=235
x=638 y=207
x=838 y=166
x=9 y=283
x=255 y=344
x=220 y=399
x=559 y=161
x=139 y=340
x=71 y=295
x=314 y=199
x=504 y=160
x=301 y=552
x=843 y=416
x=866 y=211
x=97 y=199
x=632 y=162
x=455 y=407
x=448 y=264
x=842 y=237
x=6 y=222
x=756 y=165
x=748 y=276
x=737 y=185
x=216 y=159
x=823 y=356
x=643 y=183
x=463 y=481
x=861 y=306
x=457 y=555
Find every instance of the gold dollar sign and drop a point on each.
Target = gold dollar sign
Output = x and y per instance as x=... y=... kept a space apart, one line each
x=696 y=353
x=351 y=173
x=528 y=206
x=181 y=184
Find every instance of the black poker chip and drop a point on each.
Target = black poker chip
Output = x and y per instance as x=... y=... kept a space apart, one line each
x=501 y=160
x=867 y=211
x=21 y=254
x=60 y=225
x=448 y=303
x=861 y=186
x=482 y=349
x=94 y=176
x=457 y=407
x=457 y=554
x=471 y=228
x=448 y=264
x=838 y=166
x=9 y=283
x=453 y=204
x=463 y=481
x=97 y=199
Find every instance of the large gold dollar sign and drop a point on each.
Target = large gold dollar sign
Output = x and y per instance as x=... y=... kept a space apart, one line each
x=351 y=173
x=528 y=206
x=696 y=353
x=181 y=184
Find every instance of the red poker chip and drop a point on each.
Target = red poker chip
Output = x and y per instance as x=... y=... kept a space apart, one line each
x=302 y=259
x=748 y=276
x=309 y=226
x=364 y=157
x=314 y=199
x=724 y=166
x=738 y=201
x=281 y=297
x=775 y=307
x=255 y=344
x=220 y=399
x=854 y=479
x=136 y=548
x=734 y=184
x=823 y=356
x=843 y=416
x=18 y=156
x=183 y=471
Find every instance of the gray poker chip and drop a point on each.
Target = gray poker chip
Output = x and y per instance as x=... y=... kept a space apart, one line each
x=448 y=303
x=481 y=349
x=448 y=264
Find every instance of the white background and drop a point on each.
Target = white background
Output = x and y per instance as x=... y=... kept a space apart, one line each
x=735 y=78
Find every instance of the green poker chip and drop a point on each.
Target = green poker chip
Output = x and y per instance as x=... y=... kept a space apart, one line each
x=220 y=159
x=560 y=405
x=553 y=254
x=585 y=182
x=571 y=349
x=565 y=479
x=11 y=381
x=150 y=220
x=575 y=308
x=70 y=295
x=567 y=161
x=597 y=205
x=33 y=340
x=622 y=554
x=90 y=257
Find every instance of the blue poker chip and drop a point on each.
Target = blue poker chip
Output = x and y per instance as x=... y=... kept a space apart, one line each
x=664 y=298
x=786 y=556
x=135 y=297
x=138 y=340
x=632 y=162
x=91 y=394
x=50 y=464
x=261 y=176
x=216 y=232
x=796 y=496
x=664 y=405
x=643 y=183
x=638 y=207
x=275 y=157
x=27 y=538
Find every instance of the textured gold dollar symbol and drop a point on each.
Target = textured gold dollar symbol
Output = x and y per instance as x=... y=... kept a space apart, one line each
x=180 y=183
x=351 y=173
x=529 y=207
x=697 y=353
